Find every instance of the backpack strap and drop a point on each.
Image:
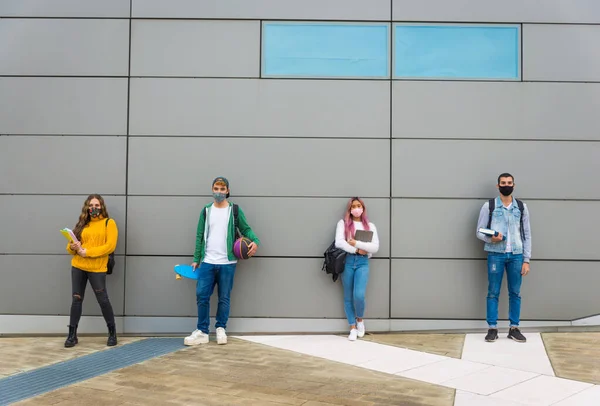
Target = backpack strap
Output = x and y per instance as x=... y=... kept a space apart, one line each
x=522 y=208
x=235 y=214
x=105 y=235
x=492 y=204
x=238 y=234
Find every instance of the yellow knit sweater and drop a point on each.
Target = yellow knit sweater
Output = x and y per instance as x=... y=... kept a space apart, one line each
x=99 y=240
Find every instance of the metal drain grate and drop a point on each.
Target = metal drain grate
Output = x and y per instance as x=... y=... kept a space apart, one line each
x=33 y=383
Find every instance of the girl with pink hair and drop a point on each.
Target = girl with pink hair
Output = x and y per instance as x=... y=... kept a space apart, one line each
x=356 y=271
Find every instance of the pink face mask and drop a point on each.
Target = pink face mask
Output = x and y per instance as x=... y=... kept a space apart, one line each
x=357 y=212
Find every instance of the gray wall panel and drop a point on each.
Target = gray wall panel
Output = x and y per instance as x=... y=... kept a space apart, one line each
x=43 y=286
x=63 y=106
x=313 y=220
x=263 y=287
x=561 y=52
x=436 y=228
x=174 y=234
x=152 y=290
x=266 y=9
x=543 y=170
x=458 y=290
x=564 y=111
x=64 y=47
x=195 y=48
x=440 y=289
x=283 y=108
x=62 y=165
x=64 y=8
x=26 y=230
x=573 y=287
x=548 y=11
x=416 y=223
x=196 y=165
x=571 y=236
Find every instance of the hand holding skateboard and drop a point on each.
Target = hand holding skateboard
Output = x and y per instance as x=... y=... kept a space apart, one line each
x=186 y=271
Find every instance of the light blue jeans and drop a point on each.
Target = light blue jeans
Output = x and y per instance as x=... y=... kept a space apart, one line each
x=354 y=279
x=497 y=263
x=211 y=275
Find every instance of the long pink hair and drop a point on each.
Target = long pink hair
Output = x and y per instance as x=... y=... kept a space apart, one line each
x=349 y=222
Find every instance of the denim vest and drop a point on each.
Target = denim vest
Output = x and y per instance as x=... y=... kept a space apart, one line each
x=503 y=220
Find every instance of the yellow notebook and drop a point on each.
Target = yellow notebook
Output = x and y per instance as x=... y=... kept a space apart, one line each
x=69 y=235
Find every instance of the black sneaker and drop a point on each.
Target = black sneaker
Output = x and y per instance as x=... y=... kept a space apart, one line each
x=515 y=334
x=492 y=335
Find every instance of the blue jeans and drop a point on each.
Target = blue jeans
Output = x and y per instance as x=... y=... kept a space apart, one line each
x=209 y=276
x=354 y=279
x=513 y=264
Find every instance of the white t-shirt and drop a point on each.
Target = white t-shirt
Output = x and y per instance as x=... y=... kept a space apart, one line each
x=216 y=243
x=508 y=236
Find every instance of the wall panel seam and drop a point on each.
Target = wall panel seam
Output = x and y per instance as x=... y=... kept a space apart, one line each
x=396 y=197
x=392 y=64
x=309 y=257
x=68 y=76
x=127 y=158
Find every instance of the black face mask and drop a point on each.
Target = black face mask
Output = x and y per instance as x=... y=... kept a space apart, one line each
x=506 y=190
x=95 y=212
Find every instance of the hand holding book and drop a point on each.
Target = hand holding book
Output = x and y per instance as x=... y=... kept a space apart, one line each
x=496 y=236
x=75 y=245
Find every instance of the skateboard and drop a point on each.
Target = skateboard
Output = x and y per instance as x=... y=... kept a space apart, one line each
x=185 y=271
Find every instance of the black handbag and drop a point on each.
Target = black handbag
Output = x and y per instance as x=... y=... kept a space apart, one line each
x=335 y=261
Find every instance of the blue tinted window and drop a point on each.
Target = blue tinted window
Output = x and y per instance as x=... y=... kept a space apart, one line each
x=325 y=50
x=456 y=51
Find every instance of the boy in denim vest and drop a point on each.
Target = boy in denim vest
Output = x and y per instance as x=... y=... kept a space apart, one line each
x=509 y=250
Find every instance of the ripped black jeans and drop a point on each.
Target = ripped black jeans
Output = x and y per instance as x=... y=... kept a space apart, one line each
x=79 y=280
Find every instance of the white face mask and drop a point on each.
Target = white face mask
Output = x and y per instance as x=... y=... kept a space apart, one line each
x=357 y=212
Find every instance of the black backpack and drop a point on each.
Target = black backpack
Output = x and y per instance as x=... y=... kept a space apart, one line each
x=111 y=258
x=335 y=260
x=492 y=203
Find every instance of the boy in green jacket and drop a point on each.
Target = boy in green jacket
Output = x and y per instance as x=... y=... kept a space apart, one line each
x=215 y=261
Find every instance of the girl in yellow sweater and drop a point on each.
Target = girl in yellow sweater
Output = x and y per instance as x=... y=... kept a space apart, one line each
x=97 y=235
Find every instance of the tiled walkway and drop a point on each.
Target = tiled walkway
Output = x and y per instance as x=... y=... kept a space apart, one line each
x=27 y=353
x=63 y=374
x=501 y=373
x=381 y=369
x=243 y=373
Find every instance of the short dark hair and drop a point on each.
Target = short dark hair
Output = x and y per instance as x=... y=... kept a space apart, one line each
x=505 y=175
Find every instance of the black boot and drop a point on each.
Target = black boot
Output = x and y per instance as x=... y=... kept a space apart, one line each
x=72 y=338
x=112 y=335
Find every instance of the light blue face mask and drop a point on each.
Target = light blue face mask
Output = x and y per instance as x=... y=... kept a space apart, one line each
x=219 y=197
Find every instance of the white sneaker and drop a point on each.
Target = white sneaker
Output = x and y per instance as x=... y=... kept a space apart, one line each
x=353 y=334
x=360 y=326
x=221 y=336
x=197 y=337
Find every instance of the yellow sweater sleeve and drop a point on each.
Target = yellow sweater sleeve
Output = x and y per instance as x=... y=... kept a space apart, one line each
x=69 y=250
x=112 y=234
